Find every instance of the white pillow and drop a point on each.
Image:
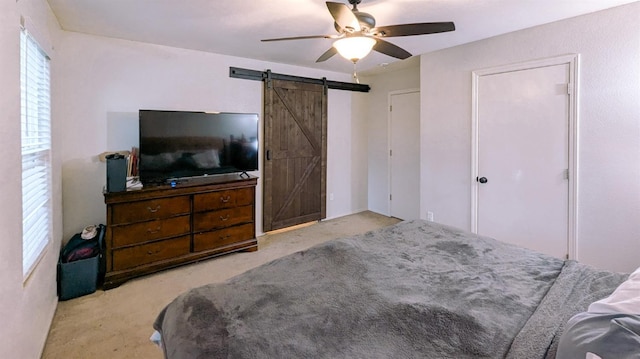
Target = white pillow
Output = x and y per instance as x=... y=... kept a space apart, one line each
x=159 y=161
x=625 y=299
x=207 y=159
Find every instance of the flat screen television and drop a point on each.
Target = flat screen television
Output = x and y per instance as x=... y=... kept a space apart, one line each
x=177 y=145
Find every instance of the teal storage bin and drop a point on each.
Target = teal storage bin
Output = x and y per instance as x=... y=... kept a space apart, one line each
x=78 y=278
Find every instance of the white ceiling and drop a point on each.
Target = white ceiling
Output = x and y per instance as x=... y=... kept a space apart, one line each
x=232 y=27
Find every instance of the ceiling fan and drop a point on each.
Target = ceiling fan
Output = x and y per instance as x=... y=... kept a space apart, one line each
x=358 y=35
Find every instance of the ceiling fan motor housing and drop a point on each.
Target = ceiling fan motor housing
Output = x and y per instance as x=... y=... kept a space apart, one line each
x=367 y=21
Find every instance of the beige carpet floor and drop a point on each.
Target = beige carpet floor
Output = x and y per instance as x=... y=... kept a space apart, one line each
x=117 y=323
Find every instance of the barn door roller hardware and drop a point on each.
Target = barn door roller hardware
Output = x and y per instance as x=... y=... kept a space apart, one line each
x=247 y=74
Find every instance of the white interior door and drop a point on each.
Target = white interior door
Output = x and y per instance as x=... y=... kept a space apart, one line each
x=523 y=158
x=405 y=155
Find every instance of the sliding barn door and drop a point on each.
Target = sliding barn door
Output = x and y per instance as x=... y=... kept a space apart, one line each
x=295 y=150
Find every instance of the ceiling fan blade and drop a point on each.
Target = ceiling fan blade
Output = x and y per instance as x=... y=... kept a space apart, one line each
x=327 y=55
x=413 y=29
x=302 y=38
x=343 y=16
x=390 y=49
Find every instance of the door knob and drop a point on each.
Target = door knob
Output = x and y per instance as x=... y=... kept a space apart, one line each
x=483 y=180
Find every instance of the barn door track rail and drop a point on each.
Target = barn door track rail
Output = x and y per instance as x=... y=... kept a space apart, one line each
x=267 y=76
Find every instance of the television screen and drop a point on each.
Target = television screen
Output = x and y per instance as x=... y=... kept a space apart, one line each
x=181 y=144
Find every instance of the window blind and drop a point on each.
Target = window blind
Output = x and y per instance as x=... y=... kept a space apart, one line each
x=36 y=151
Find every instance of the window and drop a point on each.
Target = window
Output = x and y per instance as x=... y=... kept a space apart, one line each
x=36 y=151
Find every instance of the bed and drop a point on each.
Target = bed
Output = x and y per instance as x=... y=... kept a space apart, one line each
x=412 y=290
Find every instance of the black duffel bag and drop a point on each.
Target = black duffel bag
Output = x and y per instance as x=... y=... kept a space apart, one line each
x=82 y=248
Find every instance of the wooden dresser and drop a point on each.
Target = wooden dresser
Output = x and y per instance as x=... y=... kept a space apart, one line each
x=155 y=228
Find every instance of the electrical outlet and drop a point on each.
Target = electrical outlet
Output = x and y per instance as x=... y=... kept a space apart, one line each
x=330 y=196
x=430 y=216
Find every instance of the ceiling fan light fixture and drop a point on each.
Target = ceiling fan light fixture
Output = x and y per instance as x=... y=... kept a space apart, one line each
x=354 y=48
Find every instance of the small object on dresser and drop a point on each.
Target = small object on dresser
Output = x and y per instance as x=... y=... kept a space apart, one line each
x=116 y=173
x=133 y=183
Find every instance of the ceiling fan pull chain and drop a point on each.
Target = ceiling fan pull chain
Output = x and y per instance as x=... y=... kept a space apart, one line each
x=355 y=73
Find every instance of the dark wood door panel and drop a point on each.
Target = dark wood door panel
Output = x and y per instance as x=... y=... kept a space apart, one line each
x=298 y=129
x=295 y=148
x=297 y=195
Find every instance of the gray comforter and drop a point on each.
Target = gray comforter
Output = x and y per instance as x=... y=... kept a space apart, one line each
x=413 y=290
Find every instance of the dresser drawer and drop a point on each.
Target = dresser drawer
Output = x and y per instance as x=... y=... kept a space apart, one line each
x=150 y=230
x=223 y=237
x=206 y=221
x=222 y=199
x=150 y=209
x=130 y=257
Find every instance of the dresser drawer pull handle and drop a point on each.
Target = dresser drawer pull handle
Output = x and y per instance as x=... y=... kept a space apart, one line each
x=225 y=237
x=152 y=252
x=152 y=231
x=225 y=199
x=153 y=210
x=224 y=218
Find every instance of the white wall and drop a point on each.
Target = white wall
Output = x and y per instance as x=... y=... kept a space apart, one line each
x=108 y=80
x=609 y=126
x=26 y=308
x=375 y=111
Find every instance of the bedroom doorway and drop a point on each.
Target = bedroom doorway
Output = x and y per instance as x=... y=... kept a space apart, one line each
x=524 y=185
x=295 y=153
x=404 y=154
